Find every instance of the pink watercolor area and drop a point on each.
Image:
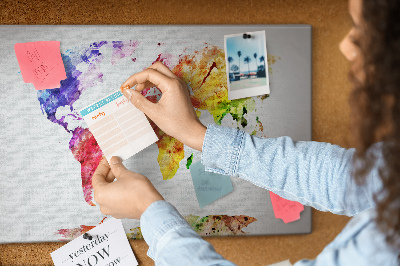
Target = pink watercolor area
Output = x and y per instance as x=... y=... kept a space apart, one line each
x=169 y=60
x=41 y=63
x=123 y=49
x=71 y=234
x=287 y=210
x=85 y=149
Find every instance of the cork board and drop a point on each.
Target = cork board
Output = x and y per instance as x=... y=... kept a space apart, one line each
x=330 y=91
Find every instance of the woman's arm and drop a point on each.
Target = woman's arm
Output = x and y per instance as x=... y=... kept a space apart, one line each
x=312 y=173
x=170 y=238
x=172 y=241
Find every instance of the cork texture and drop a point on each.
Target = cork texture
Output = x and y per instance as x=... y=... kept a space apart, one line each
x=330 y=22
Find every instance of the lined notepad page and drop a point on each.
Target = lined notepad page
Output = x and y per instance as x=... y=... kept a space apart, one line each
x=118 y=126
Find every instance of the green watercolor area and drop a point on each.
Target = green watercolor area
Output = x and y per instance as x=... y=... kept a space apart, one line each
x=237 y=108
x=189 y=161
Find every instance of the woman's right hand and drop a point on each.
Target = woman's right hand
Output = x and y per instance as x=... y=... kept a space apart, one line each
x=174 y=112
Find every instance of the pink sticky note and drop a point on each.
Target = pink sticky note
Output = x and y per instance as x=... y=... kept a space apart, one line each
x=41 y=63
x=284 y=209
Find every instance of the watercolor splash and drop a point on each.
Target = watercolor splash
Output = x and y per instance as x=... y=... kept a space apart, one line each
x=82 y=144
x=170 y=153
x=204 y=72
x=189 y=161
x=71 y=234
x=135 y=233
x=85 y=149
x=220 y=225
x=212 y=225
x=123 y=49
x=271 y=59
x=259 y=129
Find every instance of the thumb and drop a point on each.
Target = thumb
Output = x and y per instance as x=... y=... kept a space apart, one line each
x=138 y=100
x=117 y=167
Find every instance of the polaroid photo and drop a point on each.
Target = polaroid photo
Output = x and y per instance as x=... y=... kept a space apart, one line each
x=246 y=64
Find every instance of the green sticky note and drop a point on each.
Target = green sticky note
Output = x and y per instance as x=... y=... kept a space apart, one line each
x=209 y=186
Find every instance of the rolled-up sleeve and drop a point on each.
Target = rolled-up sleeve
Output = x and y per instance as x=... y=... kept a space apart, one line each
x=313 y=173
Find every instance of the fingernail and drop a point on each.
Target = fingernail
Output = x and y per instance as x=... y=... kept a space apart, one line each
x=127 y=93
x=115 y=160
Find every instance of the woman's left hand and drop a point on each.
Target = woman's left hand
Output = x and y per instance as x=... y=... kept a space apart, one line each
x=127 y=197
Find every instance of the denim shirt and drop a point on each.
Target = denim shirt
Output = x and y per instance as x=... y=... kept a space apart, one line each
x=312 y=173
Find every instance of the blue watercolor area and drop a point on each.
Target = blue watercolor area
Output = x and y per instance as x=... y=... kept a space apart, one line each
x=118 y=44
x=70 y=89
x=92 y=52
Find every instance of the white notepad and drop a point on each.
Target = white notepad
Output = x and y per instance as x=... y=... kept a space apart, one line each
x=118 y=126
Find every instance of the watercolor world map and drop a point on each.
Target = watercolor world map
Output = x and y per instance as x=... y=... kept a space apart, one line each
x=203 y=71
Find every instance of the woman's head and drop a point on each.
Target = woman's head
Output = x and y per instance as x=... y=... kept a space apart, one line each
x=373 y=48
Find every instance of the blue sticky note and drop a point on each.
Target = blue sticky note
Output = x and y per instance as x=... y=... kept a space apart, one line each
x=209 y=186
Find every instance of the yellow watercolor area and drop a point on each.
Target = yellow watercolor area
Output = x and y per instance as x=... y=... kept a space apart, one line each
x=170 y=153
x=135 y=233
x=205 y=72
x=271 y=59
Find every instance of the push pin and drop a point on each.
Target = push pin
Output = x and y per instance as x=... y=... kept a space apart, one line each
x=87 y=236
x=246 y=36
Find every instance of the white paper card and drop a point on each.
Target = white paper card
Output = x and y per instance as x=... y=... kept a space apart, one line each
x=109 y=246
x=246 y=64
x=118 y=126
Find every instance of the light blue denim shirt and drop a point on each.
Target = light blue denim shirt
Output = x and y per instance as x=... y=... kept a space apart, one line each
x=312 y=173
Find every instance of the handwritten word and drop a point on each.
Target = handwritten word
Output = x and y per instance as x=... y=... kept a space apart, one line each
x=205 y=182
x=204 y=188
x=122 y=102
x=100 y=114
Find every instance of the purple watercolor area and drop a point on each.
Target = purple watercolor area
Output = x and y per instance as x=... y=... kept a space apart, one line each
x=123 y=49
x=70 y=89
x=82 y=143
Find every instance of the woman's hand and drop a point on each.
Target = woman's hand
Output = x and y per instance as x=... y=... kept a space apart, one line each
x=174 y=112
x=127 y=197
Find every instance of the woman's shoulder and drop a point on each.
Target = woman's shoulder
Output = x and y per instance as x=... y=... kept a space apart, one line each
x=362 y=240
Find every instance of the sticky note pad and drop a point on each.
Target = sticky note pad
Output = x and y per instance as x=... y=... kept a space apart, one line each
x=106 y=244
x=41 y=63
x=209 y=186
x=118 y=126
x=287 y=210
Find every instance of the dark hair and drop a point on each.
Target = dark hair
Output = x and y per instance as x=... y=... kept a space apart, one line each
x=375 y=103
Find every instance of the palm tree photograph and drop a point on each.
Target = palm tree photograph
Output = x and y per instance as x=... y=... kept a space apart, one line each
x=245 y=60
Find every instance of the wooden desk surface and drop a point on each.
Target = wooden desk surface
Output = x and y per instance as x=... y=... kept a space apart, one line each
x=330 y=22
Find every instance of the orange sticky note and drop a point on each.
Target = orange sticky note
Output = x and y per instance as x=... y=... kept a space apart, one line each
x=287 y=210
x=41 y=63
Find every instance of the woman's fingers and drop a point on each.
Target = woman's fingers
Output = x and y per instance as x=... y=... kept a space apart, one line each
x=100 y=175
x=149 y=75
x=160 y=67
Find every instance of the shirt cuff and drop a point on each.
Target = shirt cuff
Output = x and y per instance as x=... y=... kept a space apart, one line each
x=221 y=149
x=159 y=218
